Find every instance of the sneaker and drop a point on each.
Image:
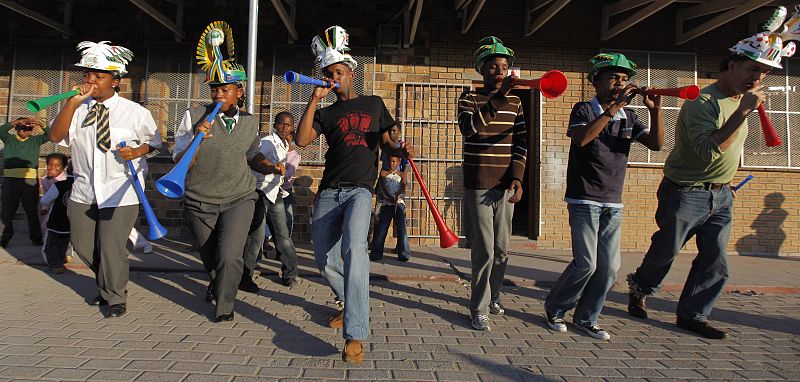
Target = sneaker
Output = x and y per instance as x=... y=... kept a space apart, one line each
x=702 y=328
x=480 y=322
x=353 y=351
x=148 y=248
x=495 y=307
x=594 y=331
x=556 y=323
x=289 y=282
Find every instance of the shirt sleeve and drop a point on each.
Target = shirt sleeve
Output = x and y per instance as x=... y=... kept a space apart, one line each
x=255 y=147
x=49 y=196
x=699 y=120
x=639 y=128
x=147 y=131
x=473 y=119
x=519 y=155
x=580 y=116
x=4 y=134
x=386 y=118
x=183 y=135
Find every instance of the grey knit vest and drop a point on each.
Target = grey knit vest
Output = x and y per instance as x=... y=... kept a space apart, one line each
x=220 y=173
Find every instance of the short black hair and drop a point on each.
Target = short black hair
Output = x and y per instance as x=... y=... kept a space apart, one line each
x=283 y=113
x=59 y=156
x=733 y=57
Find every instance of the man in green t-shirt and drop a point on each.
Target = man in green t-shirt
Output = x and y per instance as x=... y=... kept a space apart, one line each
x=21 y=175
x=695 y=197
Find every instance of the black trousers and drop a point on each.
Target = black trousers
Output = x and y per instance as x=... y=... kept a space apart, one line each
x=26 y=191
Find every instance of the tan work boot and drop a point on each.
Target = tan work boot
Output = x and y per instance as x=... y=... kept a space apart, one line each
x=353 y=351
x=337 y=320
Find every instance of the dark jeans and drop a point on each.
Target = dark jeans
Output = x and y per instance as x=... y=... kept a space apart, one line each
x=683 y=213
x=26 y=191
x=386 y=214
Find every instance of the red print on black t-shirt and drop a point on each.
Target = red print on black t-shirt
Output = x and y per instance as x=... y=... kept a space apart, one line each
x=354 y=126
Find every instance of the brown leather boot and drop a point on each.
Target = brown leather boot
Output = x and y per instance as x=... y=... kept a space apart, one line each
x=353 y=351
x=337 y=320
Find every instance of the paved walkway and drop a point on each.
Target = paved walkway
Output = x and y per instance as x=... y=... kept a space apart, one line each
x=420 y=328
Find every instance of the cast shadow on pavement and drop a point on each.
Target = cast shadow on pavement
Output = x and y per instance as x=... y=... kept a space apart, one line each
x=190 y=294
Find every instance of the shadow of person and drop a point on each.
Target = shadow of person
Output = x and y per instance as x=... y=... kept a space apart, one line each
x=768 y=226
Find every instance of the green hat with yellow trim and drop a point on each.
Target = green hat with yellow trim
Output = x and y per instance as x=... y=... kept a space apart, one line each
x=491 y=46
x=608 y=60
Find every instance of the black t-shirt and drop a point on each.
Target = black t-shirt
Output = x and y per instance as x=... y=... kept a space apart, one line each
x=353 y=131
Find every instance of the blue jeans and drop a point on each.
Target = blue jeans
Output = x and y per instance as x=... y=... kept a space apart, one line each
x=339 y=230
x=386 y=214
x=595 y=251
x=683 y=213
x=288 y=203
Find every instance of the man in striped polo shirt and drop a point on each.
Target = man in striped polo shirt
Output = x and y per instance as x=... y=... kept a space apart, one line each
x=495 y=151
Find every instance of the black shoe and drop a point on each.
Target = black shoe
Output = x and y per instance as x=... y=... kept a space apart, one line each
x=225 y=317
x=376 y=257
x=702 y=328
x=210 y=295
x=247 y=285
x=289 y=282
x=403 y=258
x=116 y=310
x=98 y=300
x=4 y=243
x=636 y=306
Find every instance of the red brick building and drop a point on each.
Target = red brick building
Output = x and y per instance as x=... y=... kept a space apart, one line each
x=418 y=56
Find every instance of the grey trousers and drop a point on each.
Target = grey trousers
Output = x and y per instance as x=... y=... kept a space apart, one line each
x=284 y=247
x=100 y=237
x=220 y=231
x=489 y=233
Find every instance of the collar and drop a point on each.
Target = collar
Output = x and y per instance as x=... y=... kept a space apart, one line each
x=109 y=103
x=235 y=116
x=22 y=139
x=595 y=103
x=281 y=140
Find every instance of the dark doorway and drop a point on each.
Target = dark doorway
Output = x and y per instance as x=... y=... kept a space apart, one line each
x=523 y=208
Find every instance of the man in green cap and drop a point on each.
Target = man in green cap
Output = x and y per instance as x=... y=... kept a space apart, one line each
x=495 y=153
x=602 y=133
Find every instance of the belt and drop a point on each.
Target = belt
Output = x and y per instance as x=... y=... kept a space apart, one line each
x=702 y=186
x=345 y=185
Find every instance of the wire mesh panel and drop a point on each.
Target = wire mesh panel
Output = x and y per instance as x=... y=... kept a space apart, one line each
x=41 y=69
x=293 y=98
x=782 y=107
x=171 y=86
x=428 y=116
x=660 y=70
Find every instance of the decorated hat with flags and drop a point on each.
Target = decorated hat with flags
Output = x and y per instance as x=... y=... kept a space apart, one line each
x=331 y=48
x=219 y=69
x=769 y=45
x=102 y=56
x=491 y=46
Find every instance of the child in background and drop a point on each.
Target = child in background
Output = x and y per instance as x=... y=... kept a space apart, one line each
x=391 y=186
x=56 y=166
x=57 y=235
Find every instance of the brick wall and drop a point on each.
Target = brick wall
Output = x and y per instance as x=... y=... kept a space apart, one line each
x=766 y=215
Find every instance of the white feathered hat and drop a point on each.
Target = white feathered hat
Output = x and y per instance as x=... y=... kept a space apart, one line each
x=331 y=48
x=101 y=56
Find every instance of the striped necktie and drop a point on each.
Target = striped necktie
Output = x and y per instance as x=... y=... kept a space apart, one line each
x=99 y=114
x=229 y=122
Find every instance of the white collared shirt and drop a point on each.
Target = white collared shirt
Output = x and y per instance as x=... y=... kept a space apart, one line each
x=185 y=133
x=275 y=150
x=103 y=178
x=599 y=110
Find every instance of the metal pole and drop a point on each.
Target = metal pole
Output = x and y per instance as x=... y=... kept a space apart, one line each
x=252 y=33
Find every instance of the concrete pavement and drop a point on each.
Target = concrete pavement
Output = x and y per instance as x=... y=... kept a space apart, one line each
x=419 y=330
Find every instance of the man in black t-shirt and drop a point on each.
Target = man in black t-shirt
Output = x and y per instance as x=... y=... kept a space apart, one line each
x=354 y=126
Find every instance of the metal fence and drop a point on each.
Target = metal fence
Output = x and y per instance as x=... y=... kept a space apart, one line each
x=428 y=116
x=293 y=98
